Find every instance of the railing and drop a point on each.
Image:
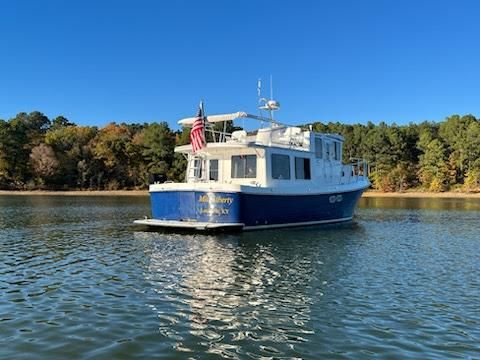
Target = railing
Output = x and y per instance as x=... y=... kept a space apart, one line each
x=217 y=135
x=360 y=167
x=357 y=170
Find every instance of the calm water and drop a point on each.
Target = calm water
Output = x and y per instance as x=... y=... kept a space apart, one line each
x=77 y=281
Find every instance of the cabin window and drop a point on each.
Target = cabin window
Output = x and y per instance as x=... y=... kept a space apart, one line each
x=244 y=166
x=338 y=151
x=213 y=172
x=329 y=149
x=280 y=167
x=318 y=148
x=197 y=168
x=302 y=168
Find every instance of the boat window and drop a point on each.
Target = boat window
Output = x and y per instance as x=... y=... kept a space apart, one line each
x=338 y=151
x=329 y=149
x=197 y=168
x=280 y=167
x=213 y=170
x=318 y=148
x=244 y=166
x=302 y=168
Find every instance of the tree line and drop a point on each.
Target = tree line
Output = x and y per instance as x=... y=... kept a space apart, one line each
x=429 y=156
x=41 y=153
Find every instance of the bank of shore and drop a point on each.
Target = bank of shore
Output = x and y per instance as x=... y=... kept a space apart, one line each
x=371 y=193
x=78 y=192
x=422 y=194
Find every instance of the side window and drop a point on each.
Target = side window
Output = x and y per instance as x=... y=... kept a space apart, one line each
x=338 y=151
x=197 y=166
x=329 y=149
x=302 y=168
x=244 y=166
x=280 y=167
x=318 y=148
x=251 y=166
x=213 y=170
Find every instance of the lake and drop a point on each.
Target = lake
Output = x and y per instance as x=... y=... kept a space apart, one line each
x=79 y=281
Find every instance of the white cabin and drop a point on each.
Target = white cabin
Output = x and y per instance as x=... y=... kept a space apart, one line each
x=275 y=157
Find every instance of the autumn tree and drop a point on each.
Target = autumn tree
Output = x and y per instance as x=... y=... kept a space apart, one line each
x=43 y=162
x=71 y=146
x=110 y=154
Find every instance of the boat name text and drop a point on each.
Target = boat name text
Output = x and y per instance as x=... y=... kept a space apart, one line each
x=215 y=199
x=214 y=211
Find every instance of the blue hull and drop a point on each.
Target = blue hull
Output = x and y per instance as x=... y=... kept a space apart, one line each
x=253 y=210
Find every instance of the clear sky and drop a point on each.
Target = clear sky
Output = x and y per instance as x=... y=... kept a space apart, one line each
x=141 y=61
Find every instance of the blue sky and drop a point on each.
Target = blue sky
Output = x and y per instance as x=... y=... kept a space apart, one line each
x=142 y=61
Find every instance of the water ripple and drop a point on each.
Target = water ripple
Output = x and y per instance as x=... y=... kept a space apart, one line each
x=77 y=281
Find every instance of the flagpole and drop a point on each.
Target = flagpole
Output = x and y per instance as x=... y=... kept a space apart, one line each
x=202 y=108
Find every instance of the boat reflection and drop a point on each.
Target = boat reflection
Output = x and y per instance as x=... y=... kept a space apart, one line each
x=240 y=293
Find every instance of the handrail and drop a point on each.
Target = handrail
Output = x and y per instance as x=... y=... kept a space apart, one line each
x=359 y=167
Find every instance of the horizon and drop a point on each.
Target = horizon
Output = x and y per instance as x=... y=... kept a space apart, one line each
x=346 y=62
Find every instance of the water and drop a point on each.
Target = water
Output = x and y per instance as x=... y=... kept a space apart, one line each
x=77 y=281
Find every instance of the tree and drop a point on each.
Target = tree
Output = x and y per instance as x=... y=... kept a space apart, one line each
x=44 y=162
x=71 y=146
x=60 y=122
x=433 y=172
x=5 y=164
x=453 y=132
x=472 y=178
x=158 y=141
x=109 y=149
x=24 y=132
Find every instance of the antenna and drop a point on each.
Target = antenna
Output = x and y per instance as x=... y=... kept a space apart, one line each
x=260 y=99
x=269 y=105
x=271 y=87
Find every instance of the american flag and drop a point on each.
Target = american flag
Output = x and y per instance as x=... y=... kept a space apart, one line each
x=197 y=134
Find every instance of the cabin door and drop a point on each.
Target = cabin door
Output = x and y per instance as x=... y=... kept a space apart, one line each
x=196 y=169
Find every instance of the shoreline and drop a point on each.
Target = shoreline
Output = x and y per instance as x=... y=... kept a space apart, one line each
x=75 y=192
x=422 y=195
x=367 y=194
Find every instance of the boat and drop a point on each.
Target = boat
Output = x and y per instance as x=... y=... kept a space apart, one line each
x=278 y=176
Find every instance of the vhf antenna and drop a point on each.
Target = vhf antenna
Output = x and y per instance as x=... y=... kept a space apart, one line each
x=260 y=99
x=271 y=87
x=269 y=105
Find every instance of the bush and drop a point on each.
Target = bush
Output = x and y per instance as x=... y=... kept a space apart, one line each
x=437 y=185
x=472 y=180
x=113 y=185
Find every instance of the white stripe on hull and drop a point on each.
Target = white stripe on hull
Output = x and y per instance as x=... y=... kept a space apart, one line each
x=205 y=225
x=305 y=223
x=196 y=225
